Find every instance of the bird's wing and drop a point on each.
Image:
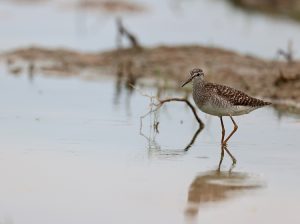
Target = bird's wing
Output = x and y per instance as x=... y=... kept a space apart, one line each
x=236 y=97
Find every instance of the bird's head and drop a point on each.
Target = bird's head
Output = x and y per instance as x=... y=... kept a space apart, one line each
x=196 y=72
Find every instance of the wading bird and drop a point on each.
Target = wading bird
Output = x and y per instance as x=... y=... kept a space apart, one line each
x=219 y=100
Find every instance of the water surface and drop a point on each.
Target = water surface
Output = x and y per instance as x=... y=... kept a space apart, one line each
x=172 y=22
x=71 y=152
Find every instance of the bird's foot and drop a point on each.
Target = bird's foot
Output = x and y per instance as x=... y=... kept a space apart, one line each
x=224 y=147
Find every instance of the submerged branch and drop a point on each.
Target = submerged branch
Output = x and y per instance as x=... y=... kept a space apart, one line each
x=155 y=104
x=161 y=102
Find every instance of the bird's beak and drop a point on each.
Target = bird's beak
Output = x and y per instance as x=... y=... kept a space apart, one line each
x=187 y=81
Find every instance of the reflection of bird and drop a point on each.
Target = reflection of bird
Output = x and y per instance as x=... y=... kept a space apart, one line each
x=219 y=100
x=214 y=186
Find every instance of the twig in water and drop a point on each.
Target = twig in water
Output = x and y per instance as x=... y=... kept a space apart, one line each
x=155 y=106
x=287 y=54
x=122 y=31
x=161 y=102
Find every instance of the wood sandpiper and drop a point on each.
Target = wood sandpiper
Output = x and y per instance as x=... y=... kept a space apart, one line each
x=219 y=100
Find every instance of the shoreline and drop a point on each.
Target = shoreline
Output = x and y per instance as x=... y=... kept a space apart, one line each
x=277 y=81
x=288 y=8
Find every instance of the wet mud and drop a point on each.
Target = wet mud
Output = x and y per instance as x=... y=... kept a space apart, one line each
x=277 y=81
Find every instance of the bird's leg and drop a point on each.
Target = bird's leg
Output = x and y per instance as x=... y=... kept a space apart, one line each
x=234 y=130
x=232 y=167
x=229 y=153
x=223 y=131
x=221 y=158
x=224 y=143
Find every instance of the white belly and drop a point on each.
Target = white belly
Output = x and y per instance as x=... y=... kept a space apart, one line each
x=226 y=110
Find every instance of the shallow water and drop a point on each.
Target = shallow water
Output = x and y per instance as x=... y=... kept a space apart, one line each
x=71 y=152
x=207 y=22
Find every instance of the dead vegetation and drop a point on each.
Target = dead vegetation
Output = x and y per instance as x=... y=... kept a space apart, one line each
x=288 y=54
x=155 y=105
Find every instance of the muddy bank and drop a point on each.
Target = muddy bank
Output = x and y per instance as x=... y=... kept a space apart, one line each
x=278 y=81
x=110 y=6
x=290 y=8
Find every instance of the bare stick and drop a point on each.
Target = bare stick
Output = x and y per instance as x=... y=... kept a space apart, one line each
x=287 y=54
x=156 y=104
x=122 y=31
x=161 y=102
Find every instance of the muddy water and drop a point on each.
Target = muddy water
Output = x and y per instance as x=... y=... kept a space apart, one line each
x=71 y=152
x=213 y=23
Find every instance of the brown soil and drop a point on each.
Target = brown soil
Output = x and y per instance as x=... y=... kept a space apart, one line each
x=289 y=8
x=110 y=6
x=277 y=81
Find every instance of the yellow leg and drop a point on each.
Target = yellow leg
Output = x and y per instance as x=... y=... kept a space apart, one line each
x=234 y=130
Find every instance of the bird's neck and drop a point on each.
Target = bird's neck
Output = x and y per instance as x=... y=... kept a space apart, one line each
x=198 y=83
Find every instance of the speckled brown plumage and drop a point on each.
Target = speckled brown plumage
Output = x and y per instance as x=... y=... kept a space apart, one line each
x=234 y=96
x=220 y=100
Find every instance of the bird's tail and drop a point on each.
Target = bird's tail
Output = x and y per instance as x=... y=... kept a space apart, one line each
x=266 y=103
